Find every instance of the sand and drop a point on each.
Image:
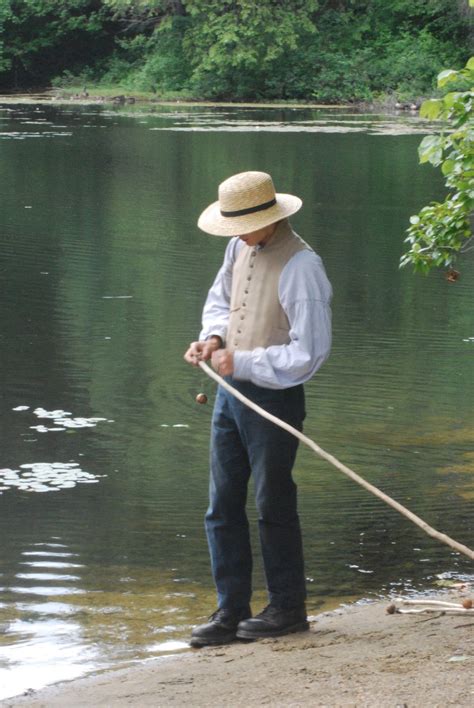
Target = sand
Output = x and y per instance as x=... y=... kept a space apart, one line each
x=356 y=656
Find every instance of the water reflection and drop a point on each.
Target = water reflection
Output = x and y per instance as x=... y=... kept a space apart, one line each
x=40 y=642
x=105 y=276
x=38 y=652
x=46 y=576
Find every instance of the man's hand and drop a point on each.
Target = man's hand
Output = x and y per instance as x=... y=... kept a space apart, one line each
x=202 y=351
x=223 y=362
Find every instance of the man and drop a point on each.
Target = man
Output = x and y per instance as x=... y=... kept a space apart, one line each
x=267 y=329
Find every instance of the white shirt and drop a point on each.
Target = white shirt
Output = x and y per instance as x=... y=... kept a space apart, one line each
x=305 y=295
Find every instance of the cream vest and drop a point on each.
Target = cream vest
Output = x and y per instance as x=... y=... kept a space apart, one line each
x=256 y=317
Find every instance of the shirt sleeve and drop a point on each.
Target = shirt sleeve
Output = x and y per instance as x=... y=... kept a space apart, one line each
x=305 y=294
x=215 y=316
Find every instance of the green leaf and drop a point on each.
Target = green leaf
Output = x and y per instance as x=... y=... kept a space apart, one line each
x=429 y=142
x=431 y=109
x=470 y=63
x=448 y=166
x=450 y=99
x=431 y=149
x=445 y=76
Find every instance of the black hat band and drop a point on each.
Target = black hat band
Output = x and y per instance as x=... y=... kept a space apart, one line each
x=250 y=210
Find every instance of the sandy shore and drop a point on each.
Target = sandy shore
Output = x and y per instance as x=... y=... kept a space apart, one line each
x=357 y=656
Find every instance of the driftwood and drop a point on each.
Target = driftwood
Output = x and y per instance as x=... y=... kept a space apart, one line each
x=442 y=537
x=440 y=604
x=424 y=606
x=426 y=610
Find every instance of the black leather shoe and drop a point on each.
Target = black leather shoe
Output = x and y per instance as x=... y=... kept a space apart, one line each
x=221 y=628
x=273 y=622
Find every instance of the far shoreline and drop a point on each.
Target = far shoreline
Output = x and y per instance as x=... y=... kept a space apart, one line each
x=124 y=98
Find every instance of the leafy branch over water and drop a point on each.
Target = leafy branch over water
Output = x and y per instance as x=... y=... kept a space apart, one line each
x=442 y=230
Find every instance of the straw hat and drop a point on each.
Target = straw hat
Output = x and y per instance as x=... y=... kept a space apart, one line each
x=247 y=202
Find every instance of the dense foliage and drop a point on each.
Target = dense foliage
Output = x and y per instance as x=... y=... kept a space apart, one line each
x=39 y=39
x=443 y=230
x=331 y=50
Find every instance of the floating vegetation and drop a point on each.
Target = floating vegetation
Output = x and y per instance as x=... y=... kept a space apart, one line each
x=360 y=570
x=62 y=420
x=43 y=477
x=15 y=135
x=346 y=123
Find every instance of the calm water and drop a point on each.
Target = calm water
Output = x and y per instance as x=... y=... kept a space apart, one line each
x=103 y=478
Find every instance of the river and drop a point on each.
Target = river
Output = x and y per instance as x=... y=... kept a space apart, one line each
x=103 y=463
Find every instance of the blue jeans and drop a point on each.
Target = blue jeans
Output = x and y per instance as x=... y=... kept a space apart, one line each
x=243 y=444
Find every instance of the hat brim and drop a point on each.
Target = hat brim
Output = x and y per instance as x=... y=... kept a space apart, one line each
x=212 y=222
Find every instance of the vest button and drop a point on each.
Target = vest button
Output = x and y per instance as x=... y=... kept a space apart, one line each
x=239 y=331
x=242 y=317
x=246 y=292
x=244 y=304
x=253 y=254
x=249 y=277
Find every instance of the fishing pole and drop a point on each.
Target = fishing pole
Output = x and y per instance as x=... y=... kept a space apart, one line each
x=442 y=537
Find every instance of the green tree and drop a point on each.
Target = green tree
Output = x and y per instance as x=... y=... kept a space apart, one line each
x=139 y=16
x=40 y=38
x=5 y=15
x=364 y=49
x=442 y=230
x=238 y=48
x=328 y=50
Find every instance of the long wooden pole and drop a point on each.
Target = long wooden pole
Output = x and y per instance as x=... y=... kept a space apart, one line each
x=442 y=537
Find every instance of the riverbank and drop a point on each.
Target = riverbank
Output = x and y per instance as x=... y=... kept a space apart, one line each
x=356 y=656
x=137 y=100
